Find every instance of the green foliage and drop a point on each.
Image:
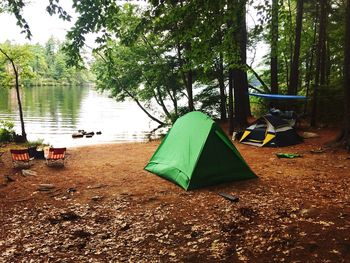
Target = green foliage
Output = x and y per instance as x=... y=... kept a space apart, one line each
x=36 y=143
x=331 y=95
x=155 y=49
x=145 y=54
x=259 y=106
x=6 y=131
x=210 y=101
x=21 y=56
x=40 y=65
x=98 y=16
x=138 y=66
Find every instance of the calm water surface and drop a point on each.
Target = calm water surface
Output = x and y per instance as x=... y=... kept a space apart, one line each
x=54 y=113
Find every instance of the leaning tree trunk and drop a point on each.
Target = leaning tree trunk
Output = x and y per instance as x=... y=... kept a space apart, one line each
x=294 y=74
x=24 y=135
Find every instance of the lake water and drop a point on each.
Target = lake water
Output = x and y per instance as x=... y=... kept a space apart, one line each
x=55 y=113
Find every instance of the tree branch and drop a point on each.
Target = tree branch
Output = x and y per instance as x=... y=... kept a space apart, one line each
x=130 y=94
x=266 y=88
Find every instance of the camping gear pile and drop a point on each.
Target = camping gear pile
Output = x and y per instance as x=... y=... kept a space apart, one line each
x=270 y=131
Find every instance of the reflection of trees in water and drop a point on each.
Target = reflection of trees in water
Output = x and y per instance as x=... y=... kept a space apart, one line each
x=5 y=101
x=53 y=102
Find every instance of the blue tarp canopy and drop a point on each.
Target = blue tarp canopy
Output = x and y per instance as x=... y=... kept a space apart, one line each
x=278 y=96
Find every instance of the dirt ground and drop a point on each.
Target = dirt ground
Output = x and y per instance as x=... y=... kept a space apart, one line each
x=105 y=208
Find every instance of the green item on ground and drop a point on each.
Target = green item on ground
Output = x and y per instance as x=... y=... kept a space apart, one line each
x=197 y=153
x=288 y=155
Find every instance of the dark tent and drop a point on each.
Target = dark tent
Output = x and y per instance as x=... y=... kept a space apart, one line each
x=270 y=131
x=197 y=153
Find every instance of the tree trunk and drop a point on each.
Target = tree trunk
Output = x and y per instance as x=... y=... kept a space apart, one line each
x=171 y=91
x=116 y=80
x=345 y=138
x=323 y=45
x=134 y=98
x=315 y=91
x=230 y=23
x=221 y=80
x=310 y=63
x=239 y=82
x=294 y=74
x=175 y=103
x=290 y=38
x=328 y=62
x=230 y=102
x=237 y=65
x=243 y=52
x=286 y=65
x=190 y=90
x=24 y=135
x=187 y=79
x=274 y=48
x=157 y=94
x=266 y=89
x=320 y=74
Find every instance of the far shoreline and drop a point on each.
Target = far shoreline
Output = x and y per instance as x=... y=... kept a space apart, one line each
x=112 y=144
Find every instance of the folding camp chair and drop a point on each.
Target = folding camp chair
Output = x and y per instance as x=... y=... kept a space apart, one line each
x=56 y=156
x=20 y=158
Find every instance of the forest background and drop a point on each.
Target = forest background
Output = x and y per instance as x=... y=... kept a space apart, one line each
x=192 y=55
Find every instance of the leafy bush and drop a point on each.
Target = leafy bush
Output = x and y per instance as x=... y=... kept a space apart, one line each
x=6 y=131
x=38 y=142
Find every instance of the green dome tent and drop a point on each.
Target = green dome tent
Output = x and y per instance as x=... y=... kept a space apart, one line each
x=197 y=153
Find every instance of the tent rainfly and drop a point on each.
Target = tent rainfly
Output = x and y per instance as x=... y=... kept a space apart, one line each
x=270 y=131
x=197 y=153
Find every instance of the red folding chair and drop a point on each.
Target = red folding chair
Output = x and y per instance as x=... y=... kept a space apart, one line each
x=20 y=158
x=56 y=156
